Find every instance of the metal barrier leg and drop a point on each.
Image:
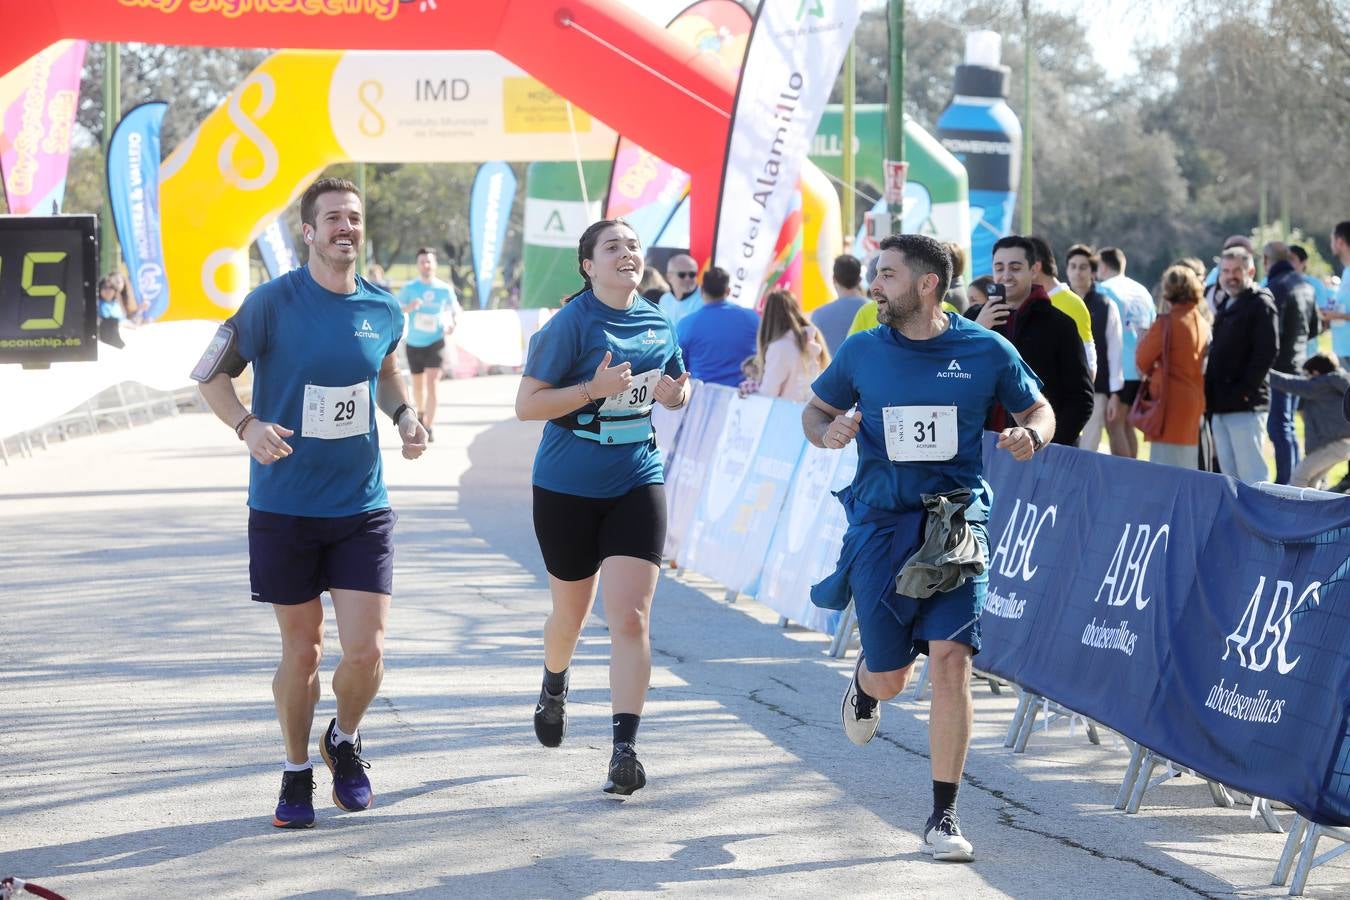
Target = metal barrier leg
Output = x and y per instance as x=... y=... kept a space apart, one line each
x=1093 y=737
x=1305 y=860
x=994 y=687
x=1028 y=723
x=1219 y=794
x=1147 y=764
x=782 y=621
x=731 y=596
x=1137 y=752
x=921 y=683
x=843 y=634
x=1024 y=700
x=1268 y=816
x=1292 y=844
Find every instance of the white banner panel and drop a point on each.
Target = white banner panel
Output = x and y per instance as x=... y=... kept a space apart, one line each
x=454 y=106
x=557 y=223
x=795 y=52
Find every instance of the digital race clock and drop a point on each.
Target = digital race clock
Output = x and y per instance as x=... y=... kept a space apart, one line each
x=48 y=289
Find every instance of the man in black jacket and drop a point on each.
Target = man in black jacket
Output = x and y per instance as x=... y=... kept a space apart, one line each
x=1241 y=351
x=1296 y=309
x=1046 y=338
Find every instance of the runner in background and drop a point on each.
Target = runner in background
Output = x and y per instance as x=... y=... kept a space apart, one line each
x=433 y=311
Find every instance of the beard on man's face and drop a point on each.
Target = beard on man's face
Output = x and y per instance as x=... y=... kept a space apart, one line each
x=898 y=309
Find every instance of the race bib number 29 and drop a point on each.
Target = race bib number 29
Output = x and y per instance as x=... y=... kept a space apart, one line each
x=920 y=433
x=332 y=413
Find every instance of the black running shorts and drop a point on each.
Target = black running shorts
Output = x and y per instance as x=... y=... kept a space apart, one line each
x=422 y=358
x=576 y=534
x=1128 y=392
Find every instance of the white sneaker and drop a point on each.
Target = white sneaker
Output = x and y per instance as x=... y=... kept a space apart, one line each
x=860 y=716
x=945 y=841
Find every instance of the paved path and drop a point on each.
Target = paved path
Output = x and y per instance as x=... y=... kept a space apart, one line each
x=139 y=754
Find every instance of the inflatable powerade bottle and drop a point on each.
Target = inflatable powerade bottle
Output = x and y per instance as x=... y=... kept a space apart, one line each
x=981 y=131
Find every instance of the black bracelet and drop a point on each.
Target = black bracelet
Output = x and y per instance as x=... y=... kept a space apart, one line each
x=398 y=413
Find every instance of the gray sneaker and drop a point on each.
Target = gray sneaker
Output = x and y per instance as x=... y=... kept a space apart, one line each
x=860 y=714
x=944 y=840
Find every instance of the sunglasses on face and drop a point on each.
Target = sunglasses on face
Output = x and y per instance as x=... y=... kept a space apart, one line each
x=685 y=274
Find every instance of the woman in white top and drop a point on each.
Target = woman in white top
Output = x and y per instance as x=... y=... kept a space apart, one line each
x=791 y=352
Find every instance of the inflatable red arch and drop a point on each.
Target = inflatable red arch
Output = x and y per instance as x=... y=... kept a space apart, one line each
x=608 y=60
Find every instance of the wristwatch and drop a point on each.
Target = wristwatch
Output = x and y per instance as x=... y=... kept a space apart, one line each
x=402 y=408
x=1037 y=442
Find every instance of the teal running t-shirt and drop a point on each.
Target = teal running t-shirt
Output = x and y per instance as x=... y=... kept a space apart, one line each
x=565 y=352
x=438 y=310
x=939 y=393
x=315 y=356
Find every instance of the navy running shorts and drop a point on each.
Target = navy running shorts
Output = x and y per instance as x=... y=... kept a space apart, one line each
x=894 y=628
x=576 y=534
x=422 y=358
x=293 y=559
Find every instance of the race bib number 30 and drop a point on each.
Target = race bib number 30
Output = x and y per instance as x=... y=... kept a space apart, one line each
x=639 y=396
x=920 y=433
x=332 y=413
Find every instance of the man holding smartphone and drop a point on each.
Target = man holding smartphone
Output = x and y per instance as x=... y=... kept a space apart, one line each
x=1046 y=338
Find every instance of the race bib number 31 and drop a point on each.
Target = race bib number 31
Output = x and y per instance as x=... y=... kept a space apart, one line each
x=639 y=396
x=920 y=433
x=332 y=413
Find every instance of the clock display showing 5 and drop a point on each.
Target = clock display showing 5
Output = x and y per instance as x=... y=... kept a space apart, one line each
x=48 y=301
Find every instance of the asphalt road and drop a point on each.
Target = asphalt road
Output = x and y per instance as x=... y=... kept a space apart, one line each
x=139 y=754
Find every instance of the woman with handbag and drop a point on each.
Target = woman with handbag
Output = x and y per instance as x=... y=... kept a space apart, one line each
x=1171 y=356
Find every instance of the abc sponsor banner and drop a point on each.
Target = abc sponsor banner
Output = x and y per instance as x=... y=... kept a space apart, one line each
x=38 y=101
x=1202 y=618
x=494 y=190
x=133 y=192
x=807 y=537
x=795 y=53
x=688 y=464
x=276 y=250
x=744 y=492
x=555 y=216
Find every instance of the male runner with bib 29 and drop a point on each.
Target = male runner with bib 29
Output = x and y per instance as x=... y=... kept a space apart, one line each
x=923 y=381
x=321 y=341
x=593 y=372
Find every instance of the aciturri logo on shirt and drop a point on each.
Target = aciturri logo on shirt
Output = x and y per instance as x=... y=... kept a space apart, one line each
x=954 y=370
x=367 y=331
x=653 y=338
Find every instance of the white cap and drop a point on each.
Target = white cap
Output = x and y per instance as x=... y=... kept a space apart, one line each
x=984 y=48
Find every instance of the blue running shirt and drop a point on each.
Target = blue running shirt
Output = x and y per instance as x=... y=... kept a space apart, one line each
x=967 y=366
x=565 y=352
x=716 y=338
x=1137 y=313
x=439 y=309
x=297 y=333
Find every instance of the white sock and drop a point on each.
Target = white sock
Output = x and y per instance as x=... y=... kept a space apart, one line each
x=298 y=767
x=339 y=735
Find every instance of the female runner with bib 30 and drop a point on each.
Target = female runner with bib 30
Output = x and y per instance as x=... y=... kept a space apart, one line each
x=593 y=373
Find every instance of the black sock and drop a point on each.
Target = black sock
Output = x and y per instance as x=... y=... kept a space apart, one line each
x=625 y=728
x=944 y=798
x=555 y=682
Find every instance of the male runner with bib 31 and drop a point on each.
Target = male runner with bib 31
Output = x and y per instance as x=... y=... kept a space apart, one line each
x=923 y=381
x=321 y=340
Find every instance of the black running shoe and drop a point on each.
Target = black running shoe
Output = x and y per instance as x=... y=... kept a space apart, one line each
x=351 y=787
x=626 y=774
x=550 y=717
x=295 y=806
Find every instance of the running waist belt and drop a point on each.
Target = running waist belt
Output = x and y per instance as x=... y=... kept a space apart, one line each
x=632 y=429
